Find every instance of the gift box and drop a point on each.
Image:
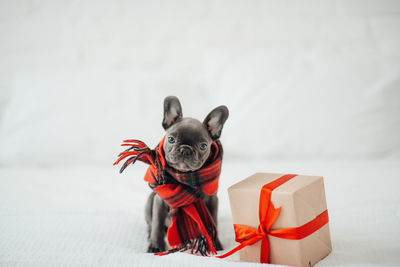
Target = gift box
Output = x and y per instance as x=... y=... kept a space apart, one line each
x=281 y=219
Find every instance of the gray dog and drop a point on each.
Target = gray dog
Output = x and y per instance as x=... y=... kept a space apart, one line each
x=186 y=148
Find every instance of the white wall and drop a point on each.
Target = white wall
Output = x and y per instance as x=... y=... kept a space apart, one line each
x=301 y=78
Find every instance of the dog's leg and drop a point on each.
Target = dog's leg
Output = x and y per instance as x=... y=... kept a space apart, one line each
x=148 y=213
x=212 y=205
x=157 y=228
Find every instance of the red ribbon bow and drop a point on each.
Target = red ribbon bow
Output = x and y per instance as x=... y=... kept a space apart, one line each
x=246 y=235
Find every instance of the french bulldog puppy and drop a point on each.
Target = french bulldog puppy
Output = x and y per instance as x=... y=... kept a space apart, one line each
x=187 y=147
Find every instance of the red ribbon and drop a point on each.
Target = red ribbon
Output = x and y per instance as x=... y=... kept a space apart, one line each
x=247 y=236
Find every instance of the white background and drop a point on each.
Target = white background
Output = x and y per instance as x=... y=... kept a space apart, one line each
x=313 y=87
x=301 y=79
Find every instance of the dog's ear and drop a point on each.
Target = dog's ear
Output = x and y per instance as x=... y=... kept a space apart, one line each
x=215 y=121
x=172 y=111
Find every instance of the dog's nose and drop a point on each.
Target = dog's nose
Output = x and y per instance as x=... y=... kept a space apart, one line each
x=185 y=150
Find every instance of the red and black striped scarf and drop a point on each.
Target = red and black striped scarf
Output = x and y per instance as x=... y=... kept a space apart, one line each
x=192 y=227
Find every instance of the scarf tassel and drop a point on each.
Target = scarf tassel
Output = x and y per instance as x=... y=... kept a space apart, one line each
x=196 y=245
x=137 y=151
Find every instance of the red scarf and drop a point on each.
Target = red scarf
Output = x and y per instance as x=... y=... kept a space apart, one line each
x=192 y=226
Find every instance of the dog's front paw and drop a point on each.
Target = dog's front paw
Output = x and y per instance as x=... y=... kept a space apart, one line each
x=218 y=245
x=151 y=248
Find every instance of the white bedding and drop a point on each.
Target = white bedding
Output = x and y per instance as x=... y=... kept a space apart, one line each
x=93 y=216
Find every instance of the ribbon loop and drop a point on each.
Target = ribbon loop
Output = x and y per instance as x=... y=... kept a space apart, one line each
x=243 y=232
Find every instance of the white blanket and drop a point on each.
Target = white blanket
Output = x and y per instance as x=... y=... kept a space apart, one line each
x=93 y=216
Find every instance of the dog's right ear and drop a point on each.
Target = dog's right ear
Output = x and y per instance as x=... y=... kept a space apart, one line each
x=172 y=111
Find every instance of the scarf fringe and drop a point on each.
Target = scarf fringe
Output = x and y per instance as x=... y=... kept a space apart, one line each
x=195 y=245
x=136 y=151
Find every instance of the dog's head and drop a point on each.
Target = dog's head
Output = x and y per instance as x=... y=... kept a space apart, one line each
x=188 y=141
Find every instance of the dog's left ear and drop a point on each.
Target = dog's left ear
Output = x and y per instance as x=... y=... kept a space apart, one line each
x=215 y=121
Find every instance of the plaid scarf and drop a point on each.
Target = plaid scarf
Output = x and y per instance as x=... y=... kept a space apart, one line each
x=192 y=226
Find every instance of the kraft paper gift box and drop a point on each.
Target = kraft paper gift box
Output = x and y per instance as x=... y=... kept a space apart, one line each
x=302 y=200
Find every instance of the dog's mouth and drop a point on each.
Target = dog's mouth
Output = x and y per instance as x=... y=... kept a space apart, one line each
x=183 y=164
x=183 y=167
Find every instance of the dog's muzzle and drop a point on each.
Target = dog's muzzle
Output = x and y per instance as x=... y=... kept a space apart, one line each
x=185 y=150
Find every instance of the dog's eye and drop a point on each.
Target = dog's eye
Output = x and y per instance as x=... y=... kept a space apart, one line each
x=203 y=146
x=171 y=140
